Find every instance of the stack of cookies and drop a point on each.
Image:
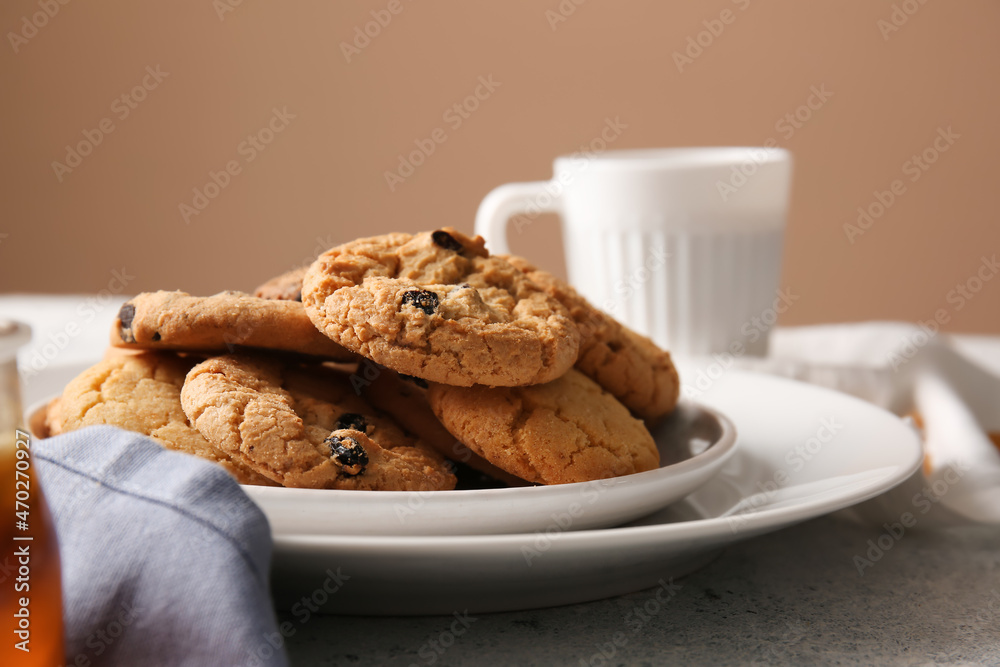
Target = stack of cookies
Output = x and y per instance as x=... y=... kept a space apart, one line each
x=390 y=363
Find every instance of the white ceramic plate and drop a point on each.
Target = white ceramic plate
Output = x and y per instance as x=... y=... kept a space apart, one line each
x=782 y=473
x=804 y=451
x=694 y=443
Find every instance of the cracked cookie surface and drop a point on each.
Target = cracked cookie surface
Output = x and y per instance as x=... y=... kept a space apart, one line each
x=140 y=393
x=568 y=430
x=437 y=306
x=219 y=323
x=405 y=399
x=626 y=363
x=304 y=427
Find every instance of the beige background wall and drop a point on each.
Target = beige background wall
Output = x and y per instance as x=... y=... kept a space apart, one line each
x=321 y=180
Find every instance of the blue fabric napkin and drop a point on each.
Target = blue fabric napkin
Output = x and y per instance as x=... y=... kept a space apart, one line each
x=165 y=559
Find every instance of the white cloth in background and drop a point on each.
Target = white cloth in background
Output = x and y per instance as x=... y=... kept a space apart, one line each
x=952 y=382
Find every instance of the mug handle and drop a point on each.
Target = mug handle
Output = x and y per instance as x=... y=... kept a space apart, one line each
x=505 y=202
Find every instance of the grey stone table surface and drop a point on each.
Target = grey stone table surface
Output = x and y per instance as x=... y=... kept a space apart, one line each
x=793 y=597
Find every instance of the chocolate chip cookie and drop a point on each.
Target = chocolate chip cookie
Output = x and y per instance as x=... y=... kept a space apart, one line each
x=405 y=400
x=436 y=306
x=141 y=393
x=219 y=323
x=568 y=430
x=625 y=363
x=303 y=427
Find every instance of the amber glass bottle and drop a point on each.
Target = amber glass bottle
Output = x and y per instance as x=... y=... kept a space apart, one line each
x=30 y=582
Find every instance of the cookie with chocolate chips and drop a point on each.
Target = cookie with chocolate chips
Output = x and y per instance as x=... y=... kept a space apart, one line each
x=219 y=323
x=625 y=363
x=437 y=306
x=404 y=398
x=567 y=430
x=304 y=427
x=142 y=393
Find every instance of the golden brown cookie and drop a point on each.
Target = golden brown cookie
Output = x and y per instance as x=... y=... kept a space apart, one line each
x=438 y=307
x=53 y=417
x=627 y=364
x=219 y=323
x=405 y=400
x=140 y=393
x=40 y=422
x=568 y=430
x=305 y=428
x=286 y=287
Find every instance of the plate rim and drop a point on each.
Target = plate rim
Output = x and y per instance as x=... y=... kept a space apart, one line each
x=723 y=448
x=759 y=521
x=707 y=462
x=751 y=524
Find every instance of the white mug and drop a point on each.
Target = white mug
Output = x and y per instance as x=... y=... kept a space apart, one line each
x=681 y=244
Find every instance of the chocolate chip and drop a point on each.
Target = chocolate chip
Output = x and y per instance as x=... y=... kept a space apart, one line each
x=156 y=336
x=420 y=382
x=422 y=299
x=446 y=241
x=351 y=420
x=125 y=315
x=349 y=453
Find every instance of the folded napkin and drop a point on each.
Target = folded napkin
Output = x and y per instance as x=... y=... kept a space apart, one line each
x=952 y=398
x=164 y=557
